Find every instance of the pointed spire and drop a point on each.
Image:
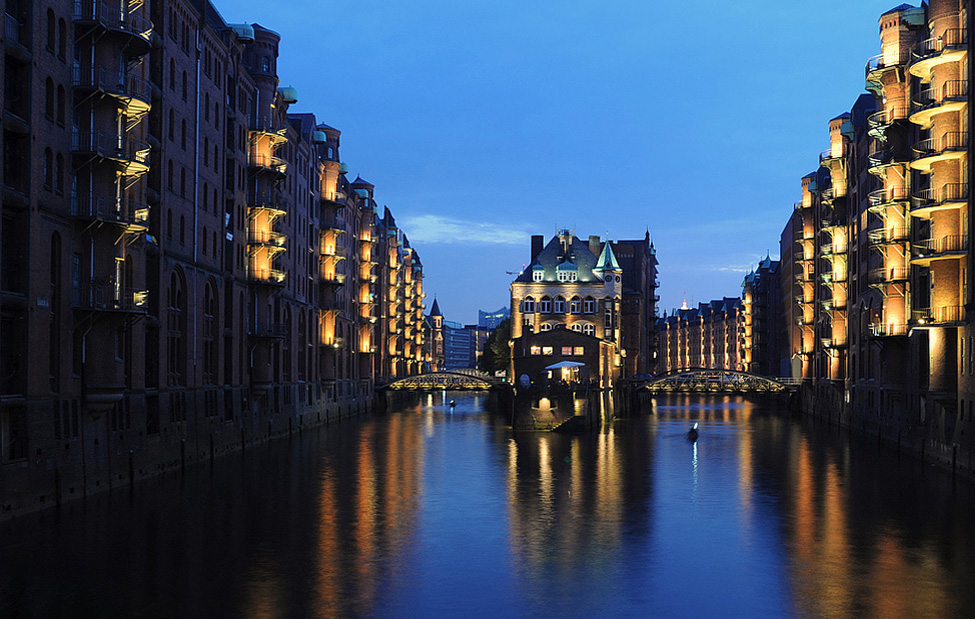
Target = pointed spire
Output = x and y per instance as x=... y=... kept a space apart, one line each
x=607 y=259
x=435 y=310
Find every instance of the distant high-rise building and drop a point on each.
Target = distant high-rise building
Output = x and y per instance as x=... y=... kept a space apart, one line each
x=491 y=320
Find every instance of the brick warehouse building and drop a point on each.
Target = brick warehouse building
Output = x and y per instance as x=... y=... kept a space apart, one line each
x=604 y=306
x=184 y=265
x=876 y=273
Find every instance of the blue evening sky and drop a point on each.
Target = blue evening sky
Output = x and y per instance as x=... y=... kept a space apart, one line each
x=481 y=123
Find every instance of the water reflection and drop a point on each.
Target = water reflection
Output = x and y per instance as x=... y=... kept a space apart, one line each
x=434 y=510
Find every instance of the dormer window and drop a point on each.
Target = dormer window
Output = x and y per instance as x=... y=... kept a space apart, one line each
x=538 y=273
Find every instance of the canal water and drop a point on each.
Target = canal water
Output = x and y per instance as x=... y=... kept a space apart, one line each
x=430 y=511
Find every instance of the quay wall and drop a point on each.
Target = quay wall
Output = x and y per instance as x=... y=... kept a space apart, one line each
x=921 y=427
x=98 y=453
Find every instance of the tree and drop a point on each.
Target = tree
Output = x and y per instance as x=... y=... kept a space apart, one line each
x=497 y=353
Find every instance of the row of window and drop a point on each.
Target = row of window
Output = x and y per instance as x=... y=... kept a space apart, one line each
x=563 y=276
x=546 y=305
x=567 y=351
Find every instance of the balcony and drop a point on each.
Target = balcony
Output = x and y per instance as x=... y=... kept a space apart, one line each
x=109 y=298
x=888 y=236
x=832 y=250
x=267 y=238
x=881 y=156
x=263 y=131
x=881 y=63
x=888 y=329
x=333 y=279
x=270 y=202
x=951 y=145
x=832 y=156
x=338 y=199
x=130 y=154
x=952 y=96
x=133 y=216
x=272 y=331
x=878 y=278
x=829 y=343
x=950 y=46
x=878 y=122
x=949 y=247
x=267 y=163
x=132 y=92
x=938 y=316
x=115 y=17
x=268 y=276
x=946 y=197
x=832 y=277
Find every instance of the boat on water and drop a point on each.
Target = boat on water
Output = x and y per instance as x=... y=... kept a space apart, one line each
x=693 y=432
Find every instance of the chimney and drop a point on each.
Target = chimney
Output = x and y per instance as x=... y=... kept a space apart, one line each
x=594 y=245
x=538 y=242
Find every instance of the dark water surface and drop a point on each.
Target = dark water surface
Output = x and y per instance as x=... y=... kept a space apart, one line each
x=428 y=513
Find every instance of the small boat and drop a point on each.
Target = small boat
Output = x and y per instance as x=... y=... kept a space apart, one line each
x=452 y=403
x=692 y=433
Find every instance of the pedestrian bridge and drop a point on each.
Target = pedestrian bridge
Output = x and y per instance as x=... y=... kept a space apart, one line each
x=704 y=380
x=461 y=380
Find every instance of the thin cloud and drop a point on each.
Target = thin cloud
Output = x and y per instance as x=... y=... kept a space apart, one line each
x=448 y=230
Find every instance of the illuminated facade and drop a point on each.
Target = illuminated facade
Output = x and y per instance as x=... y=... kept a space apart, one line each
x=711 y=335
x=582 y=287
x=876 y=270
x=185 y=267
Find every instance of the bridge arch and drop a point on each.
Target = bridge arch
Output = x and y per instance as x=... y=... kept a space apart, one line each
x=464 y=380
x=712 y=380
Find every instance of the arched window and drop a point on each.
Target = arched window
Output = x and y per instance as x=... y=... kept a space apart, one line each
x=546 y=326
x=172 y=75
x=169 y=224
x=559 y=305
x=589 y=329
x=50 y=30
x=184 y=86
x=61 y=105
x=528 y=305
x=182 y=134
x=209 y=333
x=176 y=325
x=205 y=235
x=59 y=174
x=589 y=305
x=62 y=39
x=577 y=327
x=182 y=230
x=265 y=64
x=48 y=169
x=575 y=305
x=169 y=173
x=172 y=125
x=206 y=106
x=49 y=98
x=545 y=305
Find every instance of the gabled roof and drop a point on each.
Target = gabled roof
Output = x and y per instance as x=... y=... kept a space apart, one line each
x=552 y=255
x=435 y=309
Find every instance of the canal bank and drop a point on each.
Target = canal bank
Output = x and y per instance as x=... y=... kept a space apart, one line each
x=932 y=431
x=101 y=452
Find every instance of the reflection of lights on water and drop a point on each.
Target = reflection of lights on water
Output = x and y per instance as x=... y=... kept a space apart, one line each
x=430 y=399
x=694 y=463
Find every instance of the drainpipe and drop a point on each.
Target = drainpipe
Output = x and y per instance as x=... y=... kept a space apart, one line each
x=196 y=199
